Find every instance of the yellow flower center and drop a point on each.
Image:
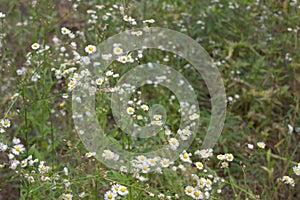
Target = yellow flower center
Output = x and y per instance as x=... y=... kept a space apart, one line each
x=90 y=48
x=18 y=148
x=185 y=155
x=286 y=178
x=189 y=190
x=197 y=194
x=123 y=189
x=110 y=196
x=5 y=123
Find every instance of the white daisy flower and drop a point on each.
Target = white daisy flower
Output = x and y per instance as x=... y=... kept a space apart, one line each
x=90 y=154
x=185 y=157
x=3 y=147
x=296 y=169
x=109 y=195
x=2 y=15
x=250 y=146
x=108 y=155
x=141 y=159
x=35 y=46
x=189 y=190
x=157 y=117
x=201 y=182
x=42 y=168
x=197 y=194
x=115 y=188
x=65 y=31
x=5 y=123
x=145 y=107
x=123 y=191
x=184 y=133
x=221 y=157
x=288 y=180
x=145 y=168
x=109 y=73
x=165 y=162
x=194 y=116
x=151 y=161
x=130 y=110
x=24 y=163
x=99 y=81
x=16 y=140
x=122 y=59
x=261 y=145
x=90 y=49
x=117 y=50
x=67 y=196
x=199 y=165
x=174 y=144
x=19 y=148
x=129 y=59
x=229 y=157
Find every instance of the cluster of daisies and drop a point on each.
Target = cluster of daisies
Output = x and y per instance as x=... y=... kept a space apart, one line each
x=225 y=158
x=15 y=154
x=115 y=191
x=33 y=170
x=289 y=180
x=142 y=165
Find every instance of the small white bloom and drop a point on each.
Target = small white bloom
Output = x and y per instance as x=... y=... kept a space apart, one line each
x=189 y=190
x=185 y=157
x=122 y=59
x=165 y=162
x=130 y=110
x=2 y=15
x=5 y=123
x=261 y=145
x=3 y=147
x=99 y=81
x=19 y=148
x=145 y=107
x=199 y=165
x=109 y=195
x=229 y=157
x=174 y=144
x=65 y=31
x=291 y=129
x=108 y=155
x=16 y=140
x=67 y=196
x=90 y=154
x=250 y=146
x=296 y=169
x=90 y=49
x=288 y=180
x=24 y=163
x=66 y=171
x=117 y=50
x=109 y=73
x=35 y=46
